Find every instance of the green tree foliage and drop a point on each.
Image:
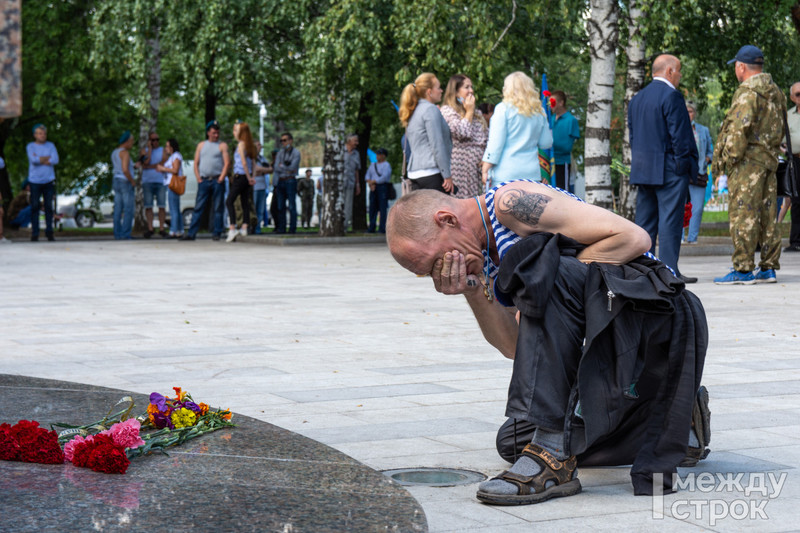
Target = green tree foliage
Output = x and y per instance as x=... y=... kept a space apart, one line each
x=705 y=34
x=304 y=54
x=487 y=41
x=81 y=106
x=120 y=30
x=224 y=50
x=349 y=51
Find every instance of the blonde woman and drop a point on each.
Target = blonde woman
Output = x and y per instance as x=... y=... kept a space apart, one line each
x=517 y=131
x=427 y=134
x=469 y=133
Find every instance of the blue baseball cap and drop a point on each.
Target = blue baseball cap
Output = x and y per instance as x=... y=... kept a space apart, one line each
x=749 y=55
x=37 y=126
x=124 y=137
x=213 y=124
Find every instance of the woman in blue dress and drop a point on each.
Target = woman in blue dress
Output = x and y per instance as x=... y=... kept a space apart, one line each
x=516 y=133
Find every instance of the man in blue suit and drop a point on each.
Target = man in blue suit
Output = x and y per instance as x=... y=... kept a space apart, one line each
x=663 y=159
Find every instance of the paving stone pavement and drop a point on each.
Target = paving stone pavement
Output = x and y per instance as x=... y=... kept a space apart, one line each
x=340 y=344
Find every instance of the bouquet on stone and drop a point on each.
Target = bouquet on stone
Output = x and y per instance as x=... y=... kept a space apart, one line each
x=106 y=451
x=109 y=444
x=25 y=441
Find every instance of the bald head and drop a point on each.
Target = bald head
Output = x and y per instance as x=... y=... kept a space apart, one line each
x=668 y=67
x=412 y=216
x=663 y=62
x=412 y=220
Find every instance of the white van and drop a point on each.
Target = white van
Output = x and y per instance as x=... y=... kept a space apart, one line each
x=88 y=204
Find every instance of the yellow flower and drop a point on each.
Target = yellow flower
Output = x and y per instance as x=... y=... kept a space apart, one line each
x=183 y=417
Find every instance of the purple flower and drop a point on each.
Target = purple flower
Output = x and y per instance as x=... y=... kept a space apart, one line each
x=192 y=406
x=161 y=420
x=159 y=401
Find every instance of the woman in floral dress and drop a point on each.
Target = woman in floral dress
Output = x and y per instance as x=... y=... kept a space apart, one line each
x=469 y=132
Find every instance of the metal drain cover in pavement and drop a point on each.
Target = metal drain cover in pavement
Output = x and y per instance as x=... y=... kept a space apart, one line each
x=434 y=477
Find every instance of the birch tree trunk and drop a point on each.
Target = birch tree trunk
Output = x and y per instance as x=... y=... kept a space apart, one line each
x=634 y=81
x=603 y=30
x=332 y=217
x=148 y=121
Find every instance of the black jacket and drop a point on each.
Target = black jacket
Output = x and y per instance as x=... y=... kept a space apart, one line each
x=612 y=355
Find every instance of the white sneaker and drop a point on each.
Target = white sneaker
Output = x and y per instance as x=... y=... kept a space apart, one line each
x=231 y=235
x=243 y=232
x=3 y=240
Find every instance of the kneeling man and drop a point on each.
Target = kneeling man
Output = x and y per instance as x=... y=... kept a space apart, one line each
x=608 y=347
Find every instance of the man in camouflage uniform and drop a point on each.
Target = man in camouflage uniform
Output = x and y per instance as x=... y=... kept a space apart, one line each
x=305 y=188
x=747 y=151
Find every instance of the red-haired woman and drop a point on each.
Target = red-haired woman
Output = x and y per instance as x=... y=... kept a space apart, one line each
x=243 y=178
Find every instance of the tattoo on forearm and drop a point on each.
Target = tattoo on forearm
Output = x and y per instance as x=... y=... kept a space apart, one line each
x=525 y=206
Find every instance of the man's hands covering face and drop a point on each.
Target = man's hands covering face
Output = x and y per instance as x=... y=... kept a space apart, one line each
x=450 y=275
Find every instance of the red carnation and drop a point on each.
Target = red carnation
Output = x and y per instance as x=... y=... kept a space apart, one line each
x=25 y=424
x=109 y=459
x=48 y=450
x=9 y=449
x=33 y=444
x=552 y=102
x=81 y=452
x=25 y=431
x=43 y=449
x=687 y=214
x=546 y=93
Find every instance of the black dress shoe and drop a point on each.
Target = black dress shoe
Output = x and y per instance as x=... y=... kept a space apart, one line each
x=792 y=248
x=34 y=238
x=688 y=279
x=187 y=237
x=51 y=238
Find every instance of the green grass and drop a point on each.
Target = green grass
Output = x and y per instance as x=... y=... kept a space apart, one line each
x=715 y=216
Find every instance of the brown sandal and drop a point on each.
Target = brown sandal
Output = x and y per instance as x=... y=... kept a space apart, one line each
x=534 y=489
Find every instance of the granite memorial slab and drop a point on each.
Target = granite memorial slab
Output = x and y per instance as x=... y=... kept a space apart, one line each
x=255 y=477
